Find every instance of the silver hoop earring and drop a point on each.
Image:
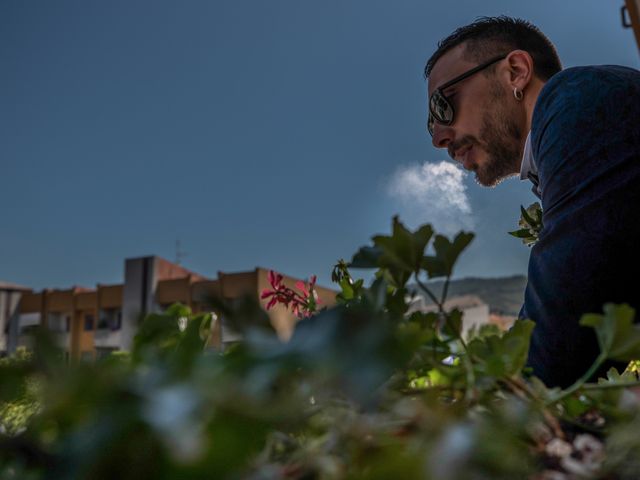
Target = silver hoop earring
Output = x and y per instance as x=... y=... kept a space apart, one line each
x=518 y=94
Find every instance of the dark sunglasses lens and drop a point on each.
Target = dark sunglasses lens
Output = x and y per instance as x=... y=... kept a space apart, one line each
x=440 y=108
x=430 y=124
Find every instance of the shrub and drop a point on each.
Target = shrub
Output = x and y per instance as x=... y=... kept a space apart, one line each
x=367 y=390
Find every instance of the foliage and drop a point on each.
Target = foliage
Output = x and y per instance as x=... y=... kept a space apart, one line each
x=15 y=413
x=369 y=389
x=530 y=224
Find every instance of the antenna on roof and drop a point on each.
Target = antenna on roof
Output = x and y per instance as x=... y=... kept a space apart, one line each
x=180 y=254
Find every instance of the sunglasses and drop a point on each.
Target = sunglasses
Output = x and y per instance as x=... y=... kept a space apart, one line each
x=440 y=107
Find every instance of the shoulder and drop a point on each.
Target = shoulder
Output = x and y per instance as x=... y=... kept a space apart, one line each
x=583 y=84
x=577 y=96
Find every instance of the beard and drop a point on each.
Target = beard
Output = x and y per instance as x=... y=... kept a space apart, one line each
x=500 y=137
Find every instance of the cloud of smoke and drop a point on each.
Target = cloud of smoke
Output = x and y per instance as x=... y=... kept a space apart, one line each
x=432 y=193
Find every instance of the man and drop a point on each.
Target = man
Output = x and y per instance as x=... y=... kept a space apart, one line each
x=501 y=105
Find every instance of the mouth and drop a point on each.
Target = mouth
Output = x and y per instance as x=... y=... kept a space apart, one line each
x=463 y=155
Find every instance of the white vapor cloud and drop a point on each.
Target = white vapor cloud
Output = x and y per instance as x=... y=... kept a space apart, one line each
x=432 y=193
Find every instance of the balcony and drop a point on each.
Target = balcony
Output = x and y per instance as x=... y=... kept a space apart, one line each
x=107 y=338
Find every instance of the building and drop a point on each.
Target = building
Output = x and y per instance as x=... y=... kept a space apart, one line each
x=10 y=295
x=475 y=312
x=92 y=322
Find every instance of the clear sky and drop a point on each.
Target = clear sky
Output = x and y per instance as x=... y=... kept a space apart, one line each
x=274 y=133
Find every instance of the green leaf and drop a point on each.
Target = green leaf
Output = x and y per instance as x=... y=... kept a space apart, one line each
x=376 y=295
x=396 y=252
x=396 y=302
x=400 y=253
x=193 y=339
x=156 y=331
x=350 y=290
x=347 y=290
x=427 y=320
x=434 y=266
x=516 y=344
x=607 y=395
x=447 y=254
x=505 y=355
x=403 y=253
x=366 y=257
x=618 y=336
x=452 y=326
x=614 y=377
x=526 y=217
x=437 y=377
x=419 y=334
x=574 y=406
x=419 y=331
x=530 y=224
x=522 y=233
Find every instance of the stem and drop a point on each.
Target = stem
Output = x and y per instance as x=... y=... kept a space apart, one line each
x=430 y=388
x=519 y=388
x=604 y=386
x=457 y=333
x=466 y=359
x=522 y=391
x=285 y=295
x=471 y=378
x=583 y=426
x=441 y=311
x=426 y=290
x=581 y=381
x=445 y=290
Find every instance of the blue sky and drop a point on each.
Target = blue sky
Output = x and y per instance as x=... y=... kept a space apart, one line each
x=257 y=132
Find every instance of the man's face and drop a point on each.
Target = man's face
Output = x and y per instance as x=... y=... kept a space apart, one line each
x=486 y=135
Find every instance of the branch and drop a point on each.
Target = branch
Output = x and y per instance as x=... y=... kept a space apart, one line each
x=604 y=386
x=441 y=311
x=580 y=382
x=445 y=289
x=426 y=290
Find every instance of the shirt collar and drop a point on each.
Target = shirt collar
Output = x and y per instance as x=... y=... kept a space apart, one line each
x=528 y=165
x=528 y=169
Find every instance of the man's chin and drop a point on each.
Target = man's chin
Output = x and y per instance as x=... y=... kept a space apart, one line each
x=491 y=179
x=485 y=182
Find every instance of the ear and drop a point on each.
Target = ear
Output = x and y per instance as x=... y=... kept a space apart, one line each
x=520 y=65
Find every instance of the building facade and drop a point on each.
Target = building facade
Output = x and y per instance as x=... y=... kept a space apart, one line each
x=89 y=323
x=10 y=295
x=475 y=312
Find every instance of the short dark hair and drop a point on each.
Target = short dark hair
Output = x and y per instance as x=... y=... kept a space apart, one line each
x=491 y=36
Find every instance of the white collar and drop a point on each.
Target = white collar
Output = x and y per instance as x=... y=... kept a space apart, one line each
x=528 y=168
x=528 y=163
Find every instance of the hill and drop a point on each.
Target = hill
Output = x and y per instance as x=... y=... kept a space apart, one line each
x=504 y=295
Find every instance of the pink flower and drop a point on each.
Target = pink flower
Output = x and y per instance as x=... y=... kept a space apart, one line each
x=303 y=288
x=275 y=279
x=302 y=305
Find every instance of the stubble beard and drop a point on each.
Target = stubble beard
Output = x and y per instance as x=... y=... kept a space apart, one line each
x=501 y=139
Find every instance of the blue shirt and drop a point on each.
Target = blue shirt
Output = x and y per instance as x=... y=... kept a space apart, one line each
x=585 y=139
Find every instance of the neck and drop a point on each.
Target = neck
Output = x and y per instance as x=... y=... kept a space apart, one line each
x=530 y=98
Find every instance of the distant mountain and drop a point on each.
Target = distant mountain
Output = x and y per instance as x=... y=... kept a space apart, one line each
x=503 y=295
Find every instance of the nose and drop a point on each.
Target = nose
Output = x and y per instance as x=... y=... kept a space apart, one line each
x=442 y=135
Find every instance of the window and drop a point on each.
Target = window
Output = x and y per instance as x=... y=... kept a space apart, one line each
x=28 y=321
x=228 y=334
x=89 y=322
x=110 y=319
x=58 y=322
